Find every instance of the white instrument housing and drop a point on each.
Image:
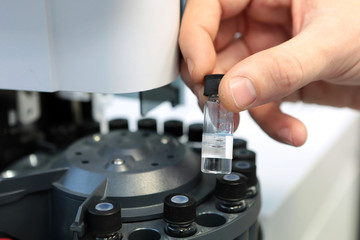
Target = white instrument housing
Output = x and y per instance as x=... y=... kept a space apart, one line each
x=104 y=46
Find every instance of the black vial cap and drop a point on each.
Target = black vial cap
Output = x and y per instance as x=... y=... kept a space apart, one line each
x=248 y=169
x=173 y=127
x=103 y=217
x=231 y=187
x=195 y=132
x=239 y=143
x=148 y=124
x=212 y=84
x=119 y=123
x=179 y=209
x=244 y=154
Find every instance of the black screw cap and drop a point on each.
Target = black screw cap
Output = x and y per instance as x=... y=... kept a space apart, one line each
x=195 y=132
x=148 y=124
x=173 y=127
x=248 y=169
x=119 y=123
x=212 y=84
x=103 y=217
x=179 y=209
x=244 y=154
x=239 y=143
x=231 y=187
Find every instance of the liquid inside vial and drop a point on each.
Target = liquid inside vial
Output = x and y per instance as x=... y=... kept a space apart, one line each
x=216 y=153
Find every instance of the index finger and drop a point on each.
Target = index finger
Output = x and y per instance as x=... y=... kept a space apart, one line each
x=199 y=27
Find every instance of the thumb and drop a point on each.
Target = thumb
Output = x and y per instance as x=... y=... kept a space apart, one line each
x=274 y=73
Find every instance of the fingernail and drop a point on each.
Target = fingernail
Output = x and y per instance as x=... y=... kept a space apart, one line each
x=285 y=136
x=243 y=92
x=190 y=66
x=198 y=91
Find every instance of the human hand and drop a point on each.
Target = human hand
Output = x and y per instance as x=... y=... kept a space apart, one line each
x=288 y=50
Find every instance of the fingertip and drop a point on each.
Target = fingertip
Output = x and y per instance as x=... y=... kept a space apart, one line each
x=190 y=66
x=198 y=90
x=236 y=121
x=279 y=126
x=294 y=135
x=299 y=134
x=237 y=94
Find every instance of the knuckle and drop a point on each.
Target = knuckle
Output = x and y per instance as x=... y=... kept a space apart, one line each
x=286 y=72
x=276 y=3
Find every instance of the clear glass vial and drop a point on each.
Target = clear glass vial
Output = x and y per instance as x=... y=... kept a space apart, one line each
x=217 y=140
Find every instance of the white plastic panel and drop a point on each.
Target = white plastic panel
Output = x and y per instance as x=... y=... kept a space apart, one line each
x=107 y=46
x=24 y=47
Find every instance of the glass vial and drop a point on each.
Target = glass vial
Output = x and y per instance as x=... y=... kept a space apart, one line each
x=217 y=140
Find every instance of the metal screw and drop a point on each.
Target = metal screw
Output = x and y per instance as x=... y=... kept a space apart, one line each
x=164 y=140
x=118 y=162
x=96 y=138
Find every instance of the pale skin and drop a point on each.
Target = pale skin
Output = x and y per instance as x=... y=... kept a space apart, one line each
x=273 y=51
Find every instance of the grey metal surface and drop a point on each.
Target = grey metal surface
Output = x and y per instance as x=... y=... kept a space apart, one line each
x=136 y=169
x=151 y=167
x=154 y=97
x=25 y=205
